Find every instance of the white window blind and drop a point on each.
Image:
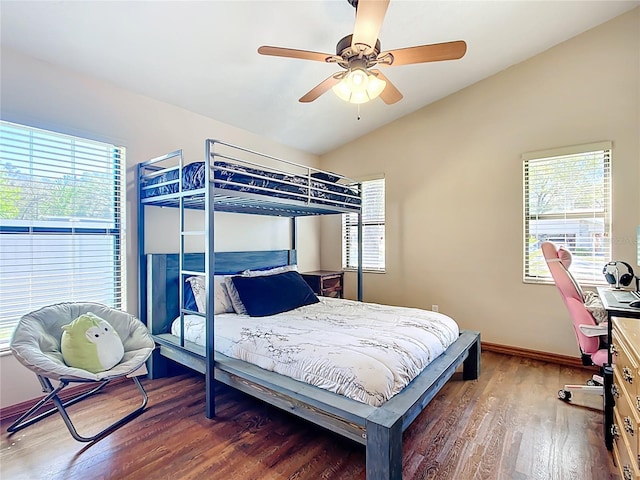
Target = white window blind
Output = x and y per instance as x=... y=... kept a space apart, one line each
x=61 y=222
x=567 y=200
x=373 y=224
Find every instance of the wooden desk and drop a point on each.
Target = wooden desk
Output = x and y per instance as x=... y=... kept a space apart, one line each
x=614 y=309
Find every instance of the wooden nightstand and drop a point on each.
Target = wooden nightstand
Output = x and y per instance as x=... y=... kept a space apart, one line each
x=326 y=283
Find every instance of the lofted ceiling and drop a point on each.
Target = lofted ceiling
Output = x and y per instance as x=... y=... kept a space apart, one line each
x=202 y=55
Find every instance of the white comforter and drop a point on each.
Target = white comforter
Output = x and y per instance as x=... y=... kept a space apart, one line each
x=364 y=351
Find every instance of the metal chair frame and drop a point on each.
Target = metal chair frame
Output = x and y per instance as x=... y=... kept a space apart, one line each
x=30 y=417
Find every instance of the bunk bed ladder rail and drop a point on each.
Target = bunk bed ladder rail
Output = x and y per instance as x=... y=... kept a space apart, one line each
x=181 y=250
x=209 y=268
x=209 y=204
x=146 y=171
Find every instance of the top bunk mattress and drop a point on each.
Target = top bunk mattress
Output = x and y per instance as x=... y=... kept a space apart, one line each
x=364 y=351
x=318 y=188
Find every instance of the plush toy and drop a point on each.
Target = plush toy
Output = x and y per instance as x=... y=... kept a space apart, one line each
x=91 y=343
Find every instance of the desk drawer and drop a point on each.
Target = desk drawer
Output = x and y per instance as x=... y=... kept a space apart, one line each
x=625 y=365
x=620 y=394
x=627 y=420
x=626 y=462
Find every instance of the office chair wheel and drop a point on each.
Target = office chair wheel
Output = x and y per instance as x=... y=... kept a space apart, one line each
x=564 y=395
x=593 y=383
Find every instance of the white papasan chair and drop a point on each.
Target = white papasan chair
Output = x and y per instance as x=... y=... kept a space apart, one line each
x=36 y=344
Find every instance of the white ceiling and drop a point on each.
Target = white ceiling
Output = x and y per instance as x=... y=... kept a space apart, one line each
x=202 y=55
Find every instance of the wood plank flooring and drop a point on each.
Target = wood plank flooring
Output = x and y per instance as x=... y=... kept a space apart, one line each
x=508 y=425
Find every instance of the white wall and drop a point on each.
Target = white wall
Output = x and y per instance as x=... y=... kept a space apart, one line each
x=45 y=96
x=454 y=185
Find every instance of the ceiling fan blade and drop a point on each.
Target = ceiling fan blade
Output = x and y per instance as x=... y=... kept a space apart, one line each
x=390 y=94
x=427 y=53
x=369 y=17
x=293 y=53
x=319 y=89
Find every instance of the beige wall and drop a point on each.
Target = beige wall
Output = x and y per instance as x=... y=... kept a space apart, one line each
x=454 y=184
x=453 y=178
x=45 y=96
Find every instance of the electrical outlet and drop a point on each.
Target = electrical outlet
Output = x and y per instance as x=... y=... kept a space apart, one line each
x=434 y=308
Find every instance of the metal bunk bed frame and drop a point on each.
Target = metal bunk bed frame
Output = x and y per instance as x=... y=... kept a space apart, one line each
x=211 y=200
x=378 y=428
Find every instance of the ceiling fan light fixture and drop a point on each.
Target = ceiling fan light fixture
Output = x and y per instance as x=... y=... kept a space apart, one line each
x=360 y=52
x=359 y=86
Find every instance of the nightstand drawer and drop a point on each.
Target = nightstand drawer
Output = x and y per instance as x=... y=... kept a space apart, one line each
x=325 y=282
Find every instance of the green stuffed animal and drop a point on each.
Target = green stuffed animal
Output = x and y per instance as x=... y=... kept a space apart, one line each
x=91 y=343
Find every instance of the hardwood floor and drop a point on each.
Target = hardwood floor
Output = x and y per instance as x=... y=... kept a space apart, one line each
x=507 y=425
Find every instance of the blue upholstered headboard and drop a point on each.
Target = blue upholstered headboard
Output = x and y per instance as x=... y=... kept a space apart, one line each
x=163 y=272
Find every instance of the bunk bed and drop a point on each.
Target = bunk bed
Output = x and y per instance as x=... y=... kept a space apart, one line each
x=238 y=180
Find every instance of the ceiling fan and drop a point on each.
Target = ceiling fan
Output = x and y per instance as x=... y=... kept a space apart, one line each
x=359 y=52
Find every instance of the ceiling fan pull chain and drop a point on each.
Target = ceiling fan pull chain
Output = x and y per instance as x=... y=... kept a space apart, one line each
x=358 y=111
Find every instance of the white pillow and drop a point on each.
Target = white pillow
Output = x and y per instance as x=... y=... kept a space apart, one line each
x=238 y=306
x=270 y=271
x=222 y=302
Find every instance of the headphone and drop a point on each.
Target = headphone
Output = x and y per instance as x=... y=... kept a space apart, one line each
x=614 y=279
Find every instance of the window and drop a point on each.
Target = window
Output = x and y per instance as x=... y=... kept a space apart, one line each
x=61 y=222
x=372 y=230
x=567 y=200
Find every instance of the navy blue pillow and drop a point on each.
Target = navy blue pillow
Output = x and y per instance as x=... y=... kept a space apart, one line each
x=189 y=298
x=271 y=294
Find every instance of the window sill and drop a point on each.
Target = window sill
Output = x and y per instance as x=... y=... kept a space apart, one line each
x=4 y=351
x=354 y=270
x=531 y=281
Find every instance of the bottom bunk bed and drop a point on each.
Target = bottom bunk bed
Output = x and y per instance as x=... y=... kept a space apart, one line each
x=379 y=428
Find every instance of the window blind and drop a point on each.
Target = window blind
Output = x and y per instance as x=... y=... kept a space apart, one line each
x=567 y=200
x=61 y=222
x=373 y=226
